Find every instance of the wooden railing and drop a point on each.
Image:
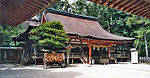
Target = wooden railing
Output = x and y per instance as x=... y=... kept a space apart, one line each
x=120 y=55
x=75 y=55
x=37 y=55
x=116 y=55
x=41 y=55
x=78 y=55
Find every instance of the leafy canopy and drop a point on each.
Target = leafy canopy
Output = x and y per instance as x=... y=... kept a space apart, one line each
x=50 y=35
x=9 y=32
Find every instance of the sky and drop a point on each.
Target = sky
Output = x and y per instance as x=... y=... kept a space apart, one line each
x=70 y=1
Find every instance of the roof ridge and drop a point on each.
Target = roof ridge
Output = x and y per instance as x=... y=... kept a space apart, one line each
x=51 y=10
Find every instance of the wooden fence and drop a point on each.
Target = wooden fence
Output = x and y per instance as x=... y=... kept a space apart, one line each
x=144 y=59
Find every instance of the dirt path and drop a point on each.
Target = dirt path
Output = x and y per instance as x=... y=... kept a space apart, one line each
x=76 y=71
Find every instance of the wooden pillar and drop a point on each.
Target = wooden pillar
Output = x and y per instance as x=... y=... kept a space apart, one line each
x=35 y=61
x=22 y=56
x=72 y=58
x=81 y=48
x=90 y=51
x=109 y=51
x=68 y=53
x=100 y=52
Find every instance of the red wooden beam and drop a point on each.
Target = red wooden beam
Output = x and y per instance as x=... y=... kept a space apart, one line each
x=105 y=2
x=121 y=7
x=133 y=6
x=147 y=14
x=90 y=52
x=97 y=1
x=109 y=51
x=139 y=4
x=130 y=4
x=39 y=2
x=109 y=4
x=118 y=4
x=139 y=8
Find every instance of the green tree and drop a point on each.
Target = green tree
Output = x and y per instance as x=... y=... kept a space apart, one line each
x=62 y=5
x=8 y=32
x=140 y=29
x=50 y=35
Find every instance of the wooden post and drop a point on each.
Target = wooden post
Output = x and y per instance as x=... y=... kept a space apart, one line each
x=100 y=52
x=35 y=59
x=72 y=58
x=109 y=51
x=68 y=53
x=44 y=61
x=90 y=52
x=22 y=56
x=35 y=51
x=81 y=50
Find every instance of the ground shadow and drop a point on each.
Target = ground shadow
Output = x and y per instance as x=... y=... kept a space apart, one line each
x=10 y=72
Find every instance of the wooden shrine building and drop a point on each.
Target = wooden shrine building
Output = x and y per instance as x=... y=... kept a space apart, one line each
x=86 y=35
x=87 y=38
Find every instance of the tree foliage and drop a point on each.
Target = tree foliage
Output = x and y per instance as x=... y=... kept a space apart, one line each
x=138 y=26
x=7 y=33
x=50 y=35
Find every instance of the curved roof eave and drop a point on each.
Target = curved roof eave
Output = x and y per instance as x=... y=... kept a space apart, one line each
x=81 y=26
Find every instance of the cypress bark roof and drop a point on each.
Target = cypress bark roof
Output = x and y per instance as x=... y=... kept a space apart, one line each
x=83 y=26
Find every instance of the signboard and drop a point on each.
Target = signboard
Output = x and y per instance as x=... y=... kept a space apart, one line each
x=134 y=57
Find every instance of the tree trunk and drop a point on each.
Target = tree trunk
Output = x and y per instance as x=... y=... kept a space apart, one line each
x=110 y=23
x=137 y=43
x=146 y=48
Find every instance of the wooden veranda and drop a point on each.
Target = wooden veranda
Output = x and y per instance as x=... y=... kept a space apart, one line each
x=80 y=42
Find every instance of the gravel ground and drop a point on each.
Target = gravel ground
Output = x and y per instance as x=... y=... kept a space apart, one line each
x=76 y=71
